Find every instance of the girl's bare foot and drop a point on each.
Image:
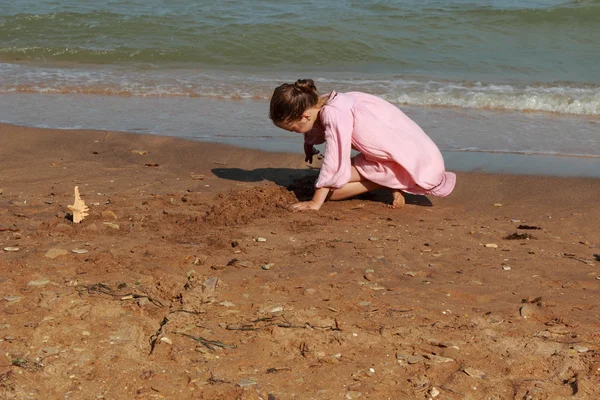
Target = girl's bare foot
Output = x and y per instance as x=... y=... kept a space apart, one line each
x=398 y=201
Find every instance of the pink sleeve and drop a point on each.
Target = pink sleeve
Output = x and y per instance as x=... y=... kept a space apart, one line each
x=336 y=169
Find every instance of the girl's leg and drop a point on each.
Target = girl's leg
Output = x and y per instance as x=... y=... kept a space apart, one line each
x=356 y=186
x=359 y=185
x=352 y=189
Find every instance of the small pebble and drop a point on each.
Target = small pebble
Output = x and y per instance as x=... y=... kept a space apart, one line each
x=268 y=266
x=166 y=340
x=38 y=282
x=506 y=268
x=12 y=299
x=369 y=271
x=261 y=239
x=373 y=239
x=439 y=359
x=434 y=392
x=415 y=359
x=474 y=373
x=271 y=309
x=246 y=382
x=80 y=251
x=527 y=311
x=143 y=301
x=353 y=395
x=491 y=245
x=11 y=249
x=581 y=349
x=210 y=284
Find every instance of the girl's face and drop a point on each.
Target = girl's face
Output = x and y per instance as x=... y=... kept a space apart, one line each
x=303 y=125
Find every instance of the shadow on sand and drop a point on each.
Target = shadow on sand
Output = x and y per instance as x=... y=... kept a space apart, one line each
x=302 y=181
x=280 y=176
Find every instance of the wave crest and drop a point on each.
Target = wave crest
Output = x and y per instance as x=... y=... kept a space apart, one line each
x=559 y=97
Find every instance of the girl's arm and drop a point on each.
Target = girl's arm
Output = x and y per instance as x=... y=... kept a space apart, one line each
x=336 y=168
x=317 y=201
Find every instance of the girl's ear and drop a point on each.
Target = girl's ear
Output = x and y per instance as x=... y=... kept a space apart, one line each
x=306 y=116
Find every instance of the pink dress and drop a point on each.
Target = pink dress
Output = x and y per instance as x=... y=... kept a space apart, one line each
x=394 y=150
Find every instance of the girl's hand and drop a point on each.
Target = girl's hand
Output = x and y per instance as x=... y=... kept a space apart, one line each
x=305 y=205
x=315 y=204
x=309 y=152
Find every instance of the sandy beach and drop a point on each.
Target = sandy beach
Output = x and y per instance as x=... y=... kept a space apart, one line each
x=189 y=279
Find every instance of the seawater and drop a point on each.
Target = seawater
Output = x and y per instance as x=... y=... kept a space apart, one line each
x=496 y=75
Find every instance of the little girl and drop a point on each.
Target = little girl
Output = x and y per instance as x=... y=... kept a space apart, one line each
x=394 y=151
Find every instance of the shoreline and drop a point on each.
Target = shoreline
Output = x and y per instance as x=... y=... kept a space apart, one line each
x=558 y=165
x=493 y=162
x=245 y=123
x=191 y=279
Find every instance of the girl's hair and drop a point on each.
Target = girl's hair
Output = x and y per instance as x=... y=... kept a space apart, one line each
x=290 y=100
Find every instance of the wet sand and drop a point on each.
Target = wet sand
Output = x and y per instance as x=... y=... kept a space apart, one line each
x=189 y=279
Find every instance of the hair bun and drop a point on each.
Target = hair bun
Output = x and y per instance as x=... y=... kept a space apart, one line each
x=305 y=85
